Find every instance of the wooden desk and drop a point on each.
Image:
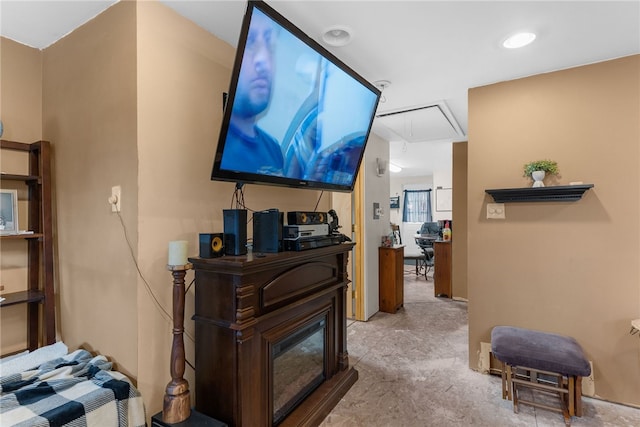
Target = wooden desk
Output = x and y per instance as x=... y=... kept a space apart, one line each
x=442 y=269
x=391 y=277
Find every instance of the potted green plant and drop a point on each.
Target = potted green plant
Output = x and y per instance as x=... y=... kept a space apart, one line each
x=538 y=169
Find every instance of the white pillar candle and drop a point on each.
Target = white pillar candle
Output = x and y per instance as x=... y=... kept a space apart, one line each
x=178 y=252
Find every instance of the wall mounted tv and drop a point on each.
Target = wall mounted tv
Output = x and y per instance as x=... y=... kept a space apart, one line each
x=296 y=115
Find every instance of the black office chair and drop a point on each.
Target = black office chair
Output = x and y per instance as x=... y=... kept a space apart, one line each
x=426 y=246
x=429 y=231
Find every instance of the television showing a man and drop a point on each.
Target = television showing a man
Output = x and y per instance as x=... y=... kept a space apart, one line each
x=296 y=115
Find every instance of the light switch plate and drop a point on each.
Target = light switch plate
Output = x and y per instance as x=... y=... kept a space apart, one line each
x=495 y=211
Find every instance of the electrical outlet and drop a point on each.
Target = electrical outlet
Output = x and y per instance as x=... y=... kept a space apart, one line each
x=495 y=211
x=114 y=200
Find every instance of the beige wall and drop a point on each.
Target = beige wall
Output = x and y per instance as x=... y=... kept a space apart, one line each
x=89 y=115
x=20 y=91
x=21 y=114
x=569 y=268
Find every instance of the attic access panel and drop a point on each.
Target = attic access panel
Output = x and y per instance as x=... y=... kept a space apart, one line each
x=432 y=122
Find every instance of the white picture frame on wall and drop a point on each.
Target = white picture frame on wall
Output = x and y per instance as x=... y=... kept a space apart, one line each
x=8 y=212
x=444 y=199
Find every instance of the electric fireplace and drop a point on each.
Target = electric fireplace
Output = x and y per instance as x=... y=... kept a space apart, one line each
x=298 y=367
x=271 y=345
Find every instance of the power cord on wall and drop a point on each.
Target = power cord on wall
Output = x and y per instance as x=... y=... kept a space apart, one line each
x=318 y=202
x=238 y=198
x=159 y=306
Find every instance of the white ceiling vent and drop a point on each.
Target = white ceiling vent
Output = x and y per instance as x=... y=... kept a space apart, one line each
x=431 y=122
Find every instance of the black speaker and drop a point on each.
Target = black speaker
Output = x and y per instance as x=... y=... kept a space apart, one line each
x=267 y=231
x=235 y=231
x=211 y=245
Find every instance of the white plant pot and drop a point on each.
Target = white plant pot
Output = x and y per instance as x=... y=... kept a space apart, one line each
x=538 y=176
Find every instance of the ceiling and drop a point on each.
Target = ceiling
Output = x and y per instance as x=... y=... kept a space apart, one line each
x=431 y=52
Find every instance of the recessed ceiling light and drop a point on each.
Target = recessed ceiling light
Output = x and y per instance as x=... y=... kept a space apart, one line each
x=382 y=85
x=519 y=40
x=338 y=35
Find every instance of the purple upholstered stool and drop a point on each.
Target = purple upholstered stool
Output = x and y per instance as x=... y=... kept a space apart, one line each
x=529 y=358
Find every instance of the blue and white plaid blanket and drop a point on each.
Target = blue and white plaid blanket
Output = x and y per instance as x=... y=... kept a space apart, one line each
x=74 y=390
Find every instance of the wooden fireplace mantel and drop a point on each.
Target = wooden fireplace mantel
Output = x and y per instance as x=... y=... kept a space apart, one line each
x=245 y=304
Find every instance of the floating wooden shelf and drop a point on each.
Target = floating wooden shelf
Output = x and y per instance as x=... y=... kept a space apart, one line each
x=559 y=193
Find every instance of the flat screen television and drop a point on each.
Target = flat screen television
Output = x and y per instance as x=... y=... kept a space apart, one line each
x=295 y=114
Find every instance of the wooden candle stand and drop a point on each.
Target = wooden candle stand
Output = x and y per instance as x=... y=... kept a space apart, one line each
x=176 y=406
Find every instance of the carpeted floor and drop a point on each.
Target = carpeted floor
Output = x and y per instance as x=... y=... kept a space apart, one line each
x=413 y=371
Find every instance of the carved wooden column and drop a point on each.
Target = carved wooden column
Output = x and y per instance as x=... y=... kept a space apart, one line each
x=177 y=403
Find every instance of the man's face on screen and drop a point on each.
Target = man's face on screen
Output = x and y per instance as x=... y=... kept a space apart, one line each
x=256 y=75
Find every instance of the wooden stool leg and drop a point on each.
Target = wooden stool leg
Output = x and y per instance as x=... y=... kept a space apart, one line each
x=512 y=391
x=578 y=394
x=503 y=374
x=572 y=395
x=509 y=382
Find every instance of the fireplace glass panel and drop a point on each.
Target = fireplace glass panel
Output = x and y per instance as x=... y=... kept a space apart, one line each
x=298 y=367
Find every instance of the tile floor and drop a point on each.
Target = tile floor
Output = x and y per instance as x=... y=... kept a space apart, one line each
x=413 y=371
